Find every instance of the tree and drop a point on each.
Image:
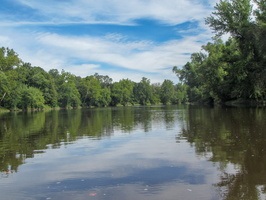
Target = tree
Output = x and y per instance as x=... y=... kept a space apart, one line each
x=105 y=81
x=167 y=92
x=92 y=94
x=234 y=69
x=68 y=93
x=3 y=86
x=191 y=75
x=105 y=97
x=143 y=91
x=39 y=78
x=122 y=92
x=30 y=97
x=8 y=59
x=180 y=94
x=235 y=17
x=231 y=16
x=156 y=93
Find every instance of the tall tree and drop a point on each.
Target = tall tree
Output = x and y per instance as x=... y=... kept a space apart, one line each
x=3 y=87
x=39 y=78
x=180 y=94
x=8 y=59
x=68 y=92
x=30 y=97
x=143 y=91
x=105 y=81
x=122 y=92
x=156 y=93
x=167 y=92
x=236 y=18
x=191 y=76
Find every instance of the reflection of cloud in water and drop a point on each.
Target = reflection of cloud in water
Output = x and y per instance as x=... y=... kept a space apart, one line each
x=134 y=164
x=139 y=163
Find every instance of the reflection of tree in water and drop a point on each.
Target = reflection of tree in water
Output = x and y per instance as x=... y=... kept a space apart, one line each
x=24 y=134
x=236 y=136
x=16 y=140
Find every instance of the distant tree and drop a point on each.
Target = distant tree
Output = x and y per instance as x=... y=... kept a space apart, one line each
x=156 y=93
x=4 y=90
x=93 y=91
x=191 y=76
x=105 y=97
x=8 y=59
x=180 y=94
x=30 y=97
x=167 y=92
x=143 y=92
x=39 y=78
x=122 y=92
x=105 y=81
x=54 y=73
x=68 y=93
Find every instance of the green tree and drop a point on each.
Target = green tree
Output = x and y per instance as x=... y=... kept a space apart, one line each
x=231 y=16
x=12 y=96
x=191 y=75
x=234 y=69
x=3 y=87
x=143 y=92
x=30 y=97
x=180 y=94
x=156 y=93
x=167 y=92
x=105 y=97
x=68 y=93
x=122 y=92
x=91 y=92
x=213 y=70
x=39 y=78
x=236 y=18
x=8 y=59
x=105 y=81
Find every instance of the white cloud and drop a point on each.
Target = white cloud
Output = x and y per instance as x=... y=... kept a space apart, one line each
x=50 y=50
x=85 y=55
x=83 y=70
x=141 y=55
x=119 y=11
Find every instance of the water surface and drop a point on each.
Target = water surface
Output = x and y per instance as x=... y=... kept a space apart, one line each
x=128 y=153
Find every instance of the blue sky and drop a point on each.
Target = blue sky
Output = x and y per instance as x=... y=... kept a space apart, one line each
x=121 y=39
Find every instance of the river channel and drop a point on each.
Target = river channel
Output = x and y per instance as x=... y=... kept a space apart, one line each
x=134 y=153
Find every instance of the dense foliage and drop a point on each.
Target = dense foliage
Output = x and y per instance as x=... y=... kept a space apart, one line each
x=23 y=86
x=235 y=69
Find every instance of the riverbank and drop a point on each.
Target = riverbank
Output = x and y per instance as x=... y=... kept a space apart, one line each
x=245 y=102
x=233 y=103
x=4 y=110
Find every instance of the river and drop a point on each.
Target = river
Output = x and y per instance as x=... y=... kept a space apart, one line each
x=127 y=153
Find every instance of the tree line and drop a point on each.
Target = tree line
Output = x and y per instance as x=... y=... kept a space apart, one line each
x=23 y=86
x=234 y=70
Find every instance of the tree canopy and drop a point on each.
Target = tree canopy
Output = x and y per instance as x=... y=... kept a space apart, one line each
x=234 y=69
x=23 y=86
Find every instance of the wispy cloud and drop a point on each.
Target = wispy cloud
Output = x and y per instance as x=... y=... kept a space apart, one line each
x=167 y=11
x=113 y=52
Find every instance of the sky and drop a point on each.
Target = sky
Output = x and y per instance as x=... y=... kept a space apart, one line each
x=118 y=38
